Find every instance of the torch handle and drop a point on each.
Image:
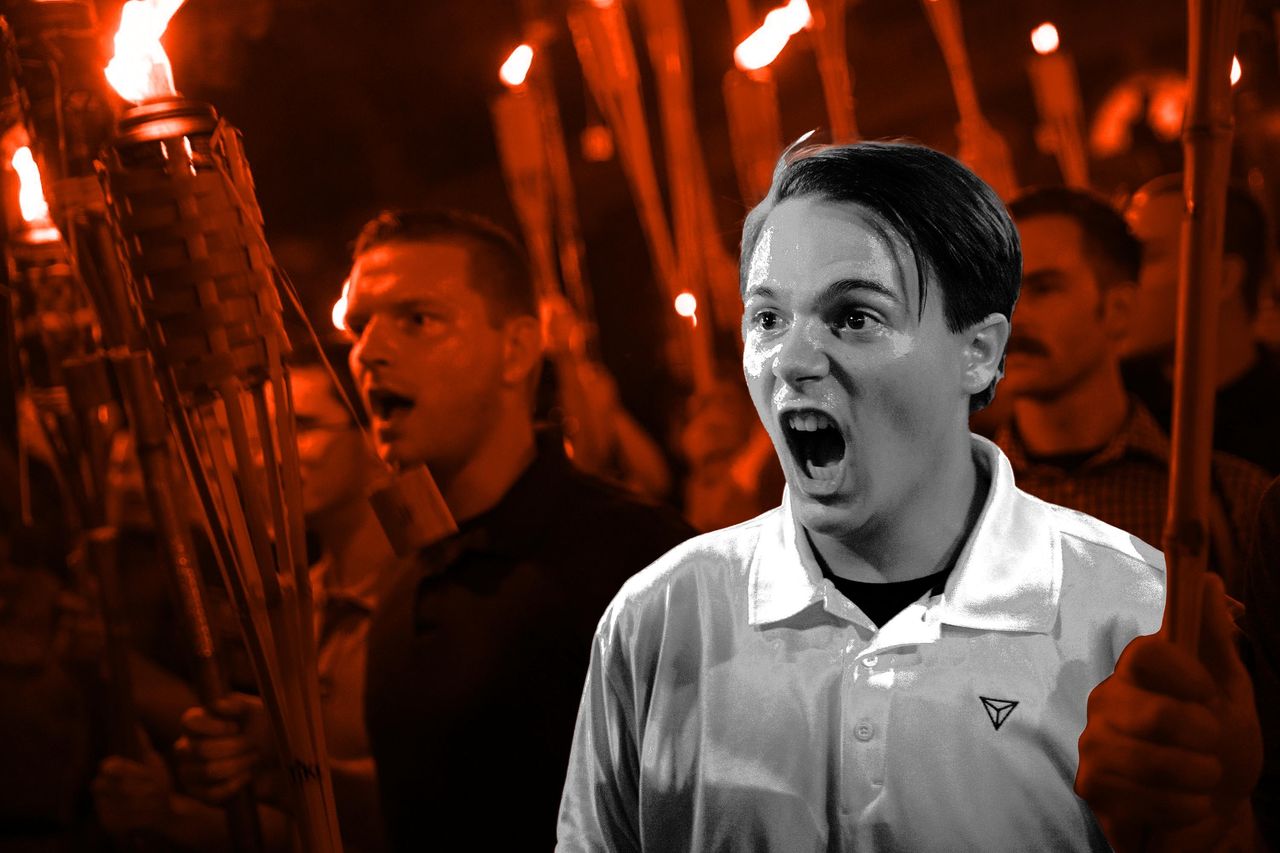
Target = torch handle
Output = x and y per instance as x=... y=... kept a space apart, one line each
x=1206 y=137
x=833 y=68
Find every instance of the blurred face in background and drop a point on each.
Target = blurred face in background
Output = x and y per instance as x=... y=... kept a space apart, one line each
x=1066 y=325
x=1156 y=220
x=334 y=460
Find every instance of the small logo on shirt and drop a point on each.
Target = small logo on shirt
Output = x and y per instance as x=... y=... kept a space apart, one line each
x=998 y=710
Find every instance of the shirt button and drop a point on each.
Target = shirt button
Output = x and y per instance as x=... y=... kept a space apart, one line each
x=864 y=731
x=870 y=661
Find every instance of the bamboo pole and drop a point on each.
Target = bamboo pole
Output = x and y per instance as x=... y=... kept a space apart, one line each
x=830 y=44
x=1206 y=139
x=982 y=148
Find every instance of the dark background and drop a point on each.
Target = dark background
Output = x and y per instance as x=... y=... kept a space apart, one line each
x=349 y=107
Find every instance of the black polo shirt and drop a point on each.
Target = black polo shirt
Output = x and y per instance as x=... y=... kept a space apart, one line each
x=478 y=654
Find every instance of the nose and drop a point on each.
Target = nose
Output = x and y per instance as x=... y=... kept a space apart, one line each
x=802 y=357
x=374 y=346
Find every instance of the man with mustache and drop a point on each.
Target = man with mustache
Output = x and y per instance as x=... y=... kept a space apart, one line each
x=899 y=656
x=1077 y=437
x=476 y=654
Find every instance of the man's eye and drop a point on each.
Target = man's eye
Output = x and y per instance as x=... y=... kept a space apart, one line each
x=767 y=321
x=354 y=327
x=854 y=320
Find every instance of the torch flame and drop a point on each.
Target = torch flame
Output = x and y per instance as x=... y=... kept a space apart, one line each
x=30 y=189
x=763 y=46
x=140 y=69
x=1235 y=70
x=339 y=313
x=516 y=68
x=1044 y=38
x=686 y=304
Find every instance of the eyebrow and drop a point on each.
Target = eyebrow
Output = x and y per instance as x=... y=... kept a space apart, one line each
x=850 y=285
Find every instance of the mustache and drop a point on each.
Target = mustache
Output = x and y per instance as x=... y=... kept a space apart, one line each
x=1027 y=345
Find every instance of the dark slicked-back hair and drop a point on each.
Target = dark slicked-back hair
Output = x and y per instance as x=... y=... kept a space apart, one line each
x=956 y=226
x=1112 y=251
x=502 y=276
x=1245 y=232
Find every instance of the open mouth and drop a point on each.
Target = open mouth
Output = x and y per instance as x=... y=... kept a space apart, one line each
x=384 y=404
x=815 y=441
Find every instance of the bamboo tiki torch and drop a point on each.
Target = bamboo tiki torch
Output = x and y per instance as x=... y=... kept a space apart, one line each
x=517 y=123
x=830 y=43
x=981 y=146
x=568 y=230
x=180 y=194
x=1206 y=140
x=1057 y=94
x=603 y=44
x=71 y=110
x=711 y=273
x=65 y=376
x=751 y=97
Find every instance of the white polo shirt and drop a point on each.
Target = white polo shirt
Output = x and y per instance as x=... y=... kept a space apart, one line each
x=737 y=701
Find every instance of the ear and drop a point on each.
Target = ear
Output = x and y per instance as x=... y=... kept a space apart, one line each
x=982 y=353
x=521 y=349
x=1118 y=303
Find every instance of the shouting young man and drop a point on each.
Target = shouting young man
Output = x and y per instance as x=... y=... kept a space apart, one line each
x=899 y=656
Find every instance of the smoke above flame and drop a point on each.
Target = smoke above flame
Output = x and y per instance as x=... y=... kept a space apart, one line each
x=140 y=68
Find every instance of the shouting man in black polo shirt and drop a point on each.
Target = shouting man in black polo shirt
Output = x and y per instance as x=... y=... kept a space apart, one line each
x=476 y=657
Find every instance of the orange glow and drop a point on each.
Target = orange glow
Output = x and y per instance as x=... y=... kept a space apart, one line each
x=763 y=46
x=516 y=68
x=140 y=68
x=1235 y=70
x=30 y=189
x=339 y=313
x=686 y=304
x=602 y=4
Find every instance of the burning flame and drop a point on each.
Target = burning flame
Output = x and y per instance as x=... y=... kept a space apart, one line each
x=686 y=304
x=516 y=68
x=1044 y=38
x=30 y=189
x=1235 y=70
x=339 y=314
x=140 y=69
x=763 y=46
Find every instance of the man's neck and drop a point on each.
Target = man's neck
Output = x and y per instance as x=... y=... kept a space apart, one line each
x=352 y=541
x=923 y=536
x=1082 y=418
x=492 y=470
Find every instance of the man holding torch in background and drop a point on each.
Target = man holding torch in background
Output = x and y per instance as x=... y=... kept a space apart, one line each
x=476 y=653
x=899 y=657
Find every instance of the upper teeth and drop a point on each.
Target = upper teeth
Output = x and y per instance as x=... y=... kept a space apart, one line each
x=810 y=421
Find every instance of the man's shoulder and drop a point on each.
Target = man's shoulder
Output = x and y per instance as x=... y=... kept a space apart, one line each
x=720 y=558
x=1106 y=568
x=1091 y=544
x=587 y=501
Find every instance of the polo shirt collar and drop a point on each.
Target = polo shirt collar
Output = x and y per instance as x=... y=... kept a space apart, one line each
x=1007 y=578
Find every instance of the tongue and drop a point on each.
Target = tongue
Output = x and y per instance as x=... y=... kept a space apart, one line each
x=824 y=452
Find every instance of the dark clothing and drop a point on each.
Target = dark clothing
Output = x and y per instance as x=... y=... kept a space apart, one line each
x=883 y=601
x=478 y=653
x=1261 y=602
x=1246 y=415
x=1126 y=484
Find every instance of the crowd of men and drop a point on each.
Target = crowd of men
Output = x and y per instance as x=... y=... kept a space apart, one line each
x=928 y=640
